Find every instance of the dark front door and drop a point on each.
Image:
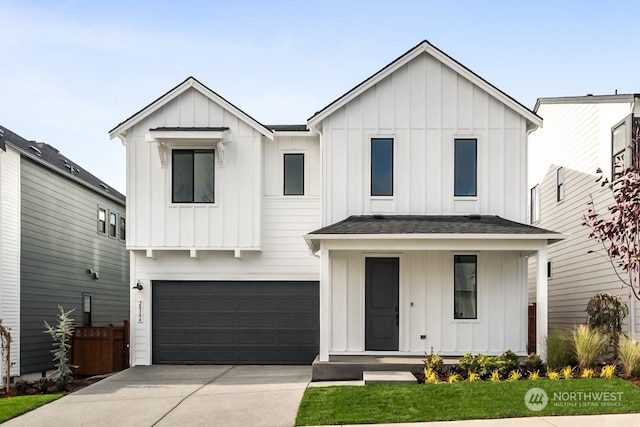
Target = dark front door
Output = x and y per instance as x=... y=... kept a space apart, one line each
x=381 y=303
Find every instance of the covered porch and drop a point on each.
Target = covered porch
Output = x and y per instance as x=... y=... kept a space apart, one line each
x=458 y=284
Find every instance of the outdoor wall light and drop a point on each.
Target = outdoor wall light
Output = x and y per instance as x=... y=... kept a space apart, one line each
x=93 y=273
x=138 y=286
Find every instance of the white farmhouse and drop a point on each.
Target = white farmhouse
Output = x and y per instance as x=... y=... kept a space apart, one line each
x=391 y=223
x=580 y=135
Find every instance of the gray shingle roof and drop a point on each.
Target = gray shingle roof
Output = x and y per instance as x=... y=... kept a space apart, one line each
x=430 y=224
x=51 y=156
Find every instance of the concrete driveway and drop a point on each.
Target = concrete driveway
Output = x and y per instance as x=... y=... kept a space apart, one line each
x=181 y=396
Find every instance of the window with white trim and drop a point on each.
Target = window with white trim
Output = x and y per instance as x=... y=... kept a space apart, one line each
x=293 y=174
x=535 y=204
x=382 y=166
x=465 y=179
x=465 y=284
x=192 y=176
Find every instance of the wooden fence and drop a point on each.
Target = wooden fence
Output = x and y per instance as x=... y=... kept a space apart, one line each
x=100 y=350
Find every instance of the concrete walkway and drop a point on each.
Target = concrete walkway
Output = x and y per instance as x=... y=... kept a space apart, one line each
x=261 y=396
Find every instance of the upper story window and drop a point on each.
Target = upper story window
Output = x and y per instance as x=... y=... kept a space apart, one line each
x=113 y=218
x=382 y=167
x=535 y=204
x=192 y=176
x=123 y=228
x=465 y=286
x=465 y=181
x=619 y=142
x=560 y=184
x=294 y=174
x=102 y=220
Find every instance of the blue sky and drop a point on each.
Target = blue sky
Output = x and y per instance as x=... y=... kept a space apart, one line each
x=72 y=70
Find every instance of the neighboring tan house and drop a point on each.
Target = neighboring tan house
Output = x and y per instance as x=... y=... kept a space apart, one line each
x=414 y=182
x=580 y=135
x=61 y=243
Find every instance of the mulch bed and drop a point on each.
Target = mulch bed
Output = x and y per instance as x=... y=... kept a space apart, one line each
x=32 y=387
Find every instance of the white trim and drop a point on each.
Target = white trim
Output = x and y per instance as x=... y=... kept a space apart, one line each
x=426 y=47
x=122 y=128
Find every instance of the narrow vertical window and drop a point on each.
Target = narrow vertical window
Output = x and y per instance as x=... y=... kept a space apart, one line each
x=535 y=204
x=294 y=174
x=465 y=286
x=549 y=269
x=86 y=310
x=112 y=224
x=382 y=167
x=192 y=176
x=122 y=228
x=102 y=220
x=560 y=184
x=465 y=167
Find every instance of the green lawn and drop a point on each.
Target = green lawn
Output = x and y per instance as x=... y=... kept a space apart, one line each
x=13 y=406
x=461 y=401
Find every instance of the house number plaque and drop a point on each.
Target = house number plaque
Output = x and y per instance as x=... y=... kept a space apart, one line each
x=140 y=312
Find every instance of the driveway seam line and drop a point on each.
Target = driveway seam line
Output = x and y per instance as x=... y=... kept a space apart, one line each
x=189 y=395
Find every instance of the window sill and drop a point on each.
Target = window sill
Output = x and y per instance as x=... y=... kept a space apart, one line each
x=193 y=205
x=467 y=198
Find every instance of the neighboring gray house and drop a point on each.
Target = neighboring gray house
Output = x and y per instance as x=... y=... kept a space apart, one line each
x=61 y=243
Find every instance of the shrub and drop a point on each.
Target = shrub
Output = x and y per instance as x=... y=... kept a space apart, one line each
x=553 y=375
x=587 y=373
x=484 y=366
x=42 y=385
x=21 y=387
x=534 y=376
x=514 y=376
x=60 y=334
x=588 y=344
x=606 y=314
x=473 y=377
x=495 y=376
x=468 y=364
x=557 y=346
x=629 y=355
x=453 y=378
x=608 y=371
x=532 y=363
x=434 y=362
x=567 y=372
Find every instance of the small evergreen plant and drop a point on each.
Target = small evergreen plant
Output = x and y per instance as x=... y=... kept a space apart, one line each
x=60 y=334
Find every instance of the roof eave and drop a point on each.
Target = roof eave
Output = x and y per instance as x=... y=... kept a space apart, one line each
x=314 y=240
x=191 y=82
x=533 y=119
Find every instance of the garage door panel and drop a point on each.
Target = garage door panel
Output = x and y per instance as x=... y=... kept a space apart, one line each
x=234 y=322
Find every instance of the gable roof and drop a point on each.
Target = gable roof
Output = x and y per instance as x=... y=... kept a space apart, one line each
x=50 y=157
x=426 y=47
x=190 y=82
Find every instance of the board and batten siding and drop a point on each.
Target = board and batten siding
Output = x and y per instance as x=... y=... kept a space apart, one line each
x=10 y=253
x=60 y=243
x=426 y=303
x=424 y=106
x=233 y=221
x=284 y=257
x=576 y=137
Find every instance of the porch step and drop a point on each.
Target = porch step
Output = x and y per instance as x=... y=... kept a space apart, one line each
x=388 y=377
x=344 y=368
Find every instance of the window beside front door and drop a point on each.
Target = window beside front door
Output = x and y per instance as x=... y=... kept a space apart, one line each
x=465 y=167
x=294 y=174
x=192 y=176
x=382 y=166
x=465 y=286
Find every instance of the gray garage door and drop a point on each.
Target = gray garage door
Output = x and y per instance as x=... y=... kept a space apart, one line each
x=235 y=322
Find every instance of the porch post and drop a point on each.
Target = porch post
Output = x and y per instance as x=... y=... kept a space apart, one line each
x=541 y=302
x=325 y=309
